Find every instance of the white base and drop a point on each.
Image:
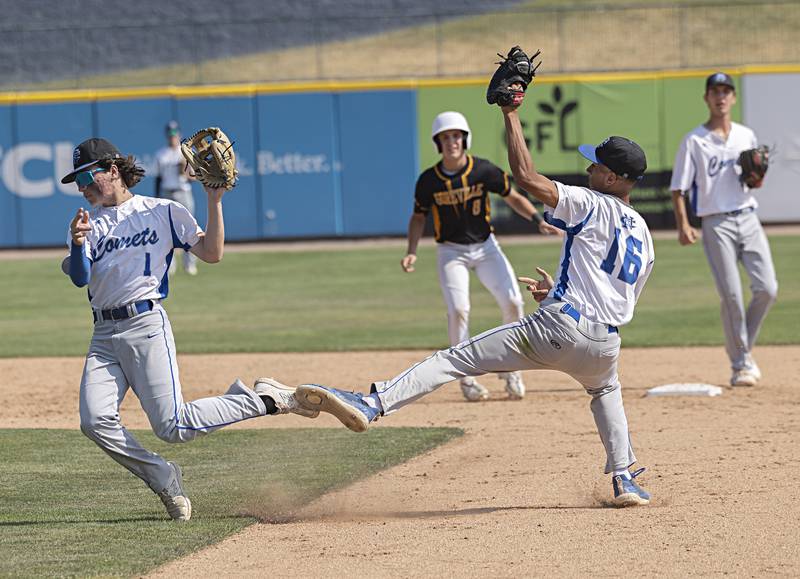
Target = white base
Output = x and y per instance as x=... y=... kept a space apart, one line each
x=685 y=390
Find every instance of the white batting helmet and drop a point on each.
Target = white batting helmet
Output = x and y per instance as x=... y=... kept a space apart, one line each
x=447 y=121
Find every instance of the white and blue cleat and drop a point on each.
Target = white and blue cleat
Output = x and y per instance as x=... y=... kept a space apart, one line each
x=627 y=493
x=348 y=407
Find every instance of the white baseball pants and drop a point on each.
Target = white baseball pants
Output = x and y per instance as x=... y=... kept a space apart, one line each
x=455 y=260
x=728 y=239
x=139 y=353
x=547 y=339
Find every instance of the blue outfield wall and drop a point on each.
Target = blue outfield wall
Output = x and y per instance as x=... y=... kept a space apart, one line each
x=341 y=159
x=315 y=164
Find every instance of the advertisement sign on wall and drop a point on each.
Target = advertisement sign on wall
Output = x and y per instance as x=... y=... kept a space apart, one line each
x=558 y=116
x=310 y=165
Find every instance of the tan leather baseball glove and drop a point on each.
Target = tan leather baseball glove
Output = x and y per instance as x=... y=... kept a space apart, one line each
x=210 y=154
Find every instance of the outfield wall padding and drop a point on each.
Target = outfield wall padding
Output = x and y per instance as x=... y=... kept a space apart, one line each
x=343 y=162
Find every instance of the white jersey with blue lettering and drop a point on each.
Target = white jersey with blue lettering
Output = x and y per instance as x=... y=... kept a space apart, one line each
x=130 y=248
x=705 y=166
x=607 y=255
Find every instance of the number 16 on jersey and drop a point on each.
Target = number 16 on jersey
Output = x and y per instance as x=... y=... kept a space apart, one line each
x=632 y=262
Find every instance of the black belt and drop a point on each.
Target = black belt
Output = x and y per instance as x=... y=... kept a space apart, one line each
x=123 y=312
x=576 y=315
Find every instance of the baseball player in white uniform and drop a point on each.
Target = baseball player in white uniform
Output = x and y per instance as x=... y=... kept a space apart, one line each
x=706 y=169
x=173 y=182
x=455 y=192
x=121 y=248
x=605 y=261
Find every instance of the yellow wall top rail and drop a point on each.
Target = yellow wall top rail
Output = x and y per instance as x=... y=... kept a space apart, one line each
x=249 y=89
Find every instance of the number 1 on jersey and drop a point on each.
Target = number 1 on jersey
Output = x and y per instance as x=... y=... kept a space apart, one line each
x=147 y=264
x=631 y=264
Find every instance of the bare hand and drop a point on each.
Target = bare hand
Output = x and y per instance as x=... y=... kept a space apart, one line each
x=215 y=193
x=407 y=263
x=547 y=229
x=687 y=236
x=518 y=98
x=539 y=288
x=79 y=227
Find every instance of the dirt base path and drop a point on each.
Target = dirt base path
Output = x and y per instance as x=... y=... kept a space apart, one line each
x=522 y=493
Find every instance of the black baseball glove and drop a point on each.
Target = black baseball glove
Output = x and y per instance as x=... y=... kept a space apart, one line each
x=515 y=69
x=755 y=163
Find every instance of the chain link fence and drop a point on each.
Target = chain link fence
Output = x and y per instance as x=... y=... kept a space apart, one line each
x=365 y=44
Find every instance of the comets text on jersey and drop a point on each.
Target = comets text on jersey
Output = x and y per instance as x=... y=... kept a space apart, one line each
x=106 y=245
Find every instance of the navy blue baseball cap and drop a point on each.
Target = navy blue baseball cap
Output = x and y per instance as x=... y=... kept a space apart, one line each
x=90 y=152
x=720 y=78
x=172 y=128
x=621 y=155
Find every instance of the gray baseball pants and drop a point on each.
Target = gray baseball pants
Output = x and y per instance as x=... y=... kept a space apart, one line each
x=546 y=339
x=728 y=239
x=139 y=353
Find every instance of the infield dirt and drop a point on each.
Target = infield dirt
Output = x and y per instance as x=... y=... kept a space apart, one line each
x=523 y=492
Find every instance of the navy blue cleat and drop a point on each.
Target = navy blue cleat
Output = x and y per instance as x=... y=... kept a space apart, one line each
x=627 y=493
x=348 y=407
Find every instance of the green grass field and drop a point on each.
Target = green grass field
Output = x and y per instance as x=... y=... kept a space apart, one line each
x=66 y=509
x=359 y=299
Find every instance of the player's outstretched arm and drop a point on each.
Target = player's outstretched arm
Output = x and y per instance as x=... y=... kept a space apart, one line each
x=416 y=225
x=212 y=244
x=523 y=207
x=686 y=233
x=519 y=159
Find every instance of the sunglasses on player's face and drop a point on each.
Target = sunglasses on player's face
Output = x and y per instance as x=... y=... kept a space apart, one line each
x=86 y=178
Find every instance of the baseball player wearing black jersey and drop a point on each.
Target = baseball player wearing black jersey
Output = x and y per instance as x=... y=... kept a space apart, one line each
x=455 y=192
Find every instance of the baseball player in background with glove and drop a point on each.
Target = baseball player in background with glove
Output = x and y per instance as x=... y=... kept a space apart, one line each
x=719 y=164
x=456 y=192
x=121 y=248
x=605 y=261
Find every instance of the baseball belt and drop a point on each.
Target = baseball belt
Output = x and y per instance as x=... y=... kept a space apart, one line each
x=123 y=312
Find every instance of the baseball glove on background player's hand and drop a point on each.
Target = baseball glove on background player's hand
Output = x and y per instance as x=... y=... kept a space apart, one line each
x=755 y=163
x=210 y=155
x=515 y=69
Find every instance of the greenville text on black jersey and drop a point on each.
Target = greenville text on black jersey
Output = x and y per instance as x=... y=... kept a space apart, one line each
x=460 y=202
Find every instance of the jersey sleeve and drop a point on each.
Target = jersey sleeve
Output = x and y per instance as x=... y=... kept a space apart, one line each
x=574 y=205
x=497 y=180
x=683 y=170
x=423 y=198
x=185 y=230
